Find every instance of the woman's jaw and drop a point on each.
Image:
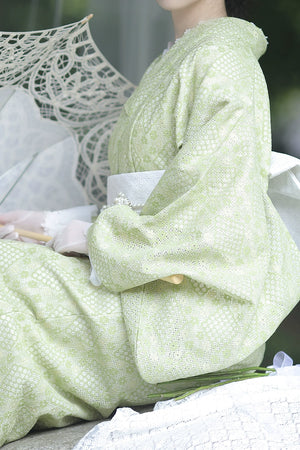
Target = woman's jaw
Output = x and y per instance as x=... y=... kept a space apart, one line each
x=188 y=13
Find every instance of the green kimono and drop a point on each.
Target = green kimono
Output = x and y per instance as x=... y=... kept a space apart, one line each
x=202 y=113
x=72 y=350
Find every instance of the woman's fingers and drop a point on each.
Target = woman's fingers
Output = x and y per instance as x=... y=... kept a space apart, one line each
x=12 y=216
x=8 y=232
x=27 y=220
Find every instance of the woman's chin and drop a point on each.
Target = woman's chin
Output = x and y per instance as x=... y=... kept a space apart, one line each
x=173 y=5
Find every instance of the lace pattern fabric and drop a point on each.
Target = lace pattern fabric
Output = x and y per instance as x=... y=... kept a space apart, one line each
x=251 y=414
x=38 y=157
x=72 y=83
x=209 y=217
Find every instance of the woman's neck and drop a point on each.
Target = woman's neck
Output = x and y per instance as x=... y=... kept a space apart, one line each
x=191 y=15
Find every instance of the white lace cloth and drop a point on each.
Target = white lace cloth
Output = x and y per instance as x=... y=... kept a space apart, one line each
x=257 y=414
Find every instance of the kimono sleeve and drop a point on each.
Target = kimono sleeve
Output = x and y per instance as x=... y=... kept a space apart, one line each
x=205 y=218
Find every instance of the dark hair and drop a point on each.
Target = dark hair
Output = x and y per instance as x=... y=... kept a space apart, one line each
x=238 y=8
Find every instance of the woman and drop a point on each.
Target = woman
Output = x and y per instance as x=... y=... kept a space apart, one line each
x=70 y=349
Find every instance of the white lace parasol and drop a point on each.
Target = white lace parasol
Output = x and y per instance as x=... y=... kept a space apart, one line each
x=73 y=84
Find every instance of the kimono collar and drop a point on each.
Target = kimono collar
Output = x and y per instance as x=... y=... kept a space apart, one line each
x=228 y=30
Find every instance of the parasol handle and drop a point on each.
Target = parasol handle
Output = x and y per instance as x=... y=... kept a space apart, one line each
x=32 y=235
x=173 y=279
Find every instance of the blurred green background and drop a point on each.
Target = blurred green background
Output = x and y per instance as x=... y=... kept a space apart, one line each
x=131 y=33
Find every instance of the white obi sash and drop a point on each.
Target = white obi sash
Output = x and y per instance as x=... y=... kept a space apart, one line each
x=136 y=186
x=283 y=190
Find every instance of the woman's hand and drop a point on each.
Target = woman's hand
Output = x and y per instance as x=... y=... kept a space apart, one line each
x=23 y=219
x=8 y=232
x=72 y=239
x=64 y=226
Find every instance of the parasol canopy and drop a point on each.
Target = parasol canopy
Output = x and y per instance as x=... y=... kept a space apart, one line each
x=38 y=157
x=79 y=95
